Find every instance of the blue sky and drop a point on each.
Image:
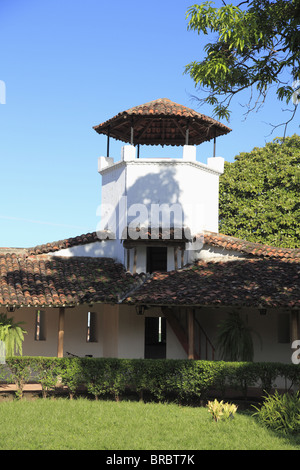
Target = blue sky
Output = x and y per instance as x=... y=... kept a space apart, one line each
x=69 y=65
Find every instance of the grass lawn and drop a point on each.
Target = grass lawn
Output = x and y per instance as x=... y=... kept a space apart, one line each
x=80 y=424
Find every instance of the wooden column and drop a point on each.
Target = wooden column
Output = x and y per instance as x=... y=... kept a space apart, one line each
x=128 y=259
x=182 y=257
x=175 y=258
x=190 y=314
x=134 y=260
x=61 y=332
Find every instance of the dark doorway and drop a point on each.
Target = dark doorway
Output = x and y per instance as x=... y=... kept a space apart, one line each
x=155 y=338
x=156 y=258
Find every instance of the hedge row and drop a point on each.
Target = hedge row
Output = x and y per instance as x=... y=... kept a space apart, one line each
x=181 y=379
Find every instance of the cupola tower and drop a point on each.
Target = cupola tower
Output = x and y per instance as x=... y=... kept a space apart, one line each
x=156 y=209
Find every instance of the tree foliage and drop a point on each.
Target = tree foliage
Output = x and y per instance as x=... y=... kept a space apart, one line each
x=260 y=194
x=257 y=45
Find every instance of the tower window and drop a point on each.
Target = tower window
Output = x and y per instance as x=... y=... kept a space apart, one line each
x=156 y=258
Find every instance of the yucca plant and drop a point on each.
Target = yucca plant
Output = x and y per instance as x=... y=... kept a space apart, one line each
x=12 y=335
x=221 y=410
x=234 y=339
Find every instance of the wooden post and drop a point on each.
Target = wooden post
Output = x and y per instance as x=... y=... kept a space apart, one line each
x=134 y=261
x=175 y=258
x=107 y=148
x=128 y=259
x=190 y=314
x=182 y=257
x=61 y=332
x=214 y=142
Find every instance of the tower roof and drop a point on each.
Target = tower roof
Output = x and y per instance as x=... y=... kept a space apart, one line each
x=162 y=122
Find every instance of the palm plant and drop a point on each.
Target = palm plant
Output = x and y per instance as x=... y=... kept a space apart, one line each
x=11 y=334
x=234 y=339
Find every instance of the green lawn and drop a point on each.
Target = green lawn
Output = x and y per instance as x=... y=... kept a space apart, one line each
x=64 y=424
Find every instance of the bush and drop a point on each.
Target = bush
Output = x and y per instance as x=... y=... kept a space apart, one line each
x=19 y=373
x=94 y=377
x=71 y=374
x=280 y=413
x=182 y=380
x=47 y=371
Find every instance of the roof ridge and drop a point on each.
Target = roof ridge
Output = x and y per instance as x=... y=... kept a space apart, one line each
x=254 y=248
x=83 y=239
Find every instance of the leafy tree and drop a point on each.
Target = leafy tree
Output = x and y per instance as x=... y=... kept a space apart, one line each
x=257 y=46
x=260 y=194
x=11 y=334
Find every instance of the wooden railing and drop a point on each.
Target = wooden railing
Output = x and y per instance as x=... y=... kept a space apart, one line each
x=209 y=347
x=203 y=347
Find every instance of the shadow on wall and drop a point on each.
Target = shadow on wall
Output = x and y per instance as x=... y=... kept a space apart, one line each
x=153 y=200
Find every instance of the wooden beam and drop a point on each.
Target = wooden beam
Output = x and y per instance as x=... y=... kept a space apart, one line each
x=190 y=313
x=151 y=241
x=61 y=332
x=182 y=131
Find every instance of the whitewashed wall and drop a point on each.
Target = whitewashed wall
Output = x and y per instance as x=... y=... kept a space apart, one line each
x=186 y=182
x=120 y=332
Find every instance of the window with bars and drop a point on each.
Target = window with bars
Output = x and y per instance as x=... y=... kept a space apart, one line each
x=40 y=325
x=91 y=335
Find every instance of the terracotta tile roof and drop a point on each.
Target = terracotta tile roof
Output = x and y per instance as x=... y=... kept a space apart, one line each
x=162 y=121
x=64 y=244
x=256 y=283
x=267 y=277
x=218 y=240
x=54 y=281
x=250 y=248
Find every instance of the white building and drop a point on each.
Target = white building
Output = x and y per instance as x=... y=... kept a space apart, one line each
x=156 y=277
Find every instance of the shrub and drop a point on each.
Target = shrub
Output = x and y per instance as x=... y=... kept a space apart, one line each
x=180 y=379
x=19 y=373
x=221 y=410
x=47 y=371
x=116 y=376
x=280 y=413
x=71 y=374
x=94 y=377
